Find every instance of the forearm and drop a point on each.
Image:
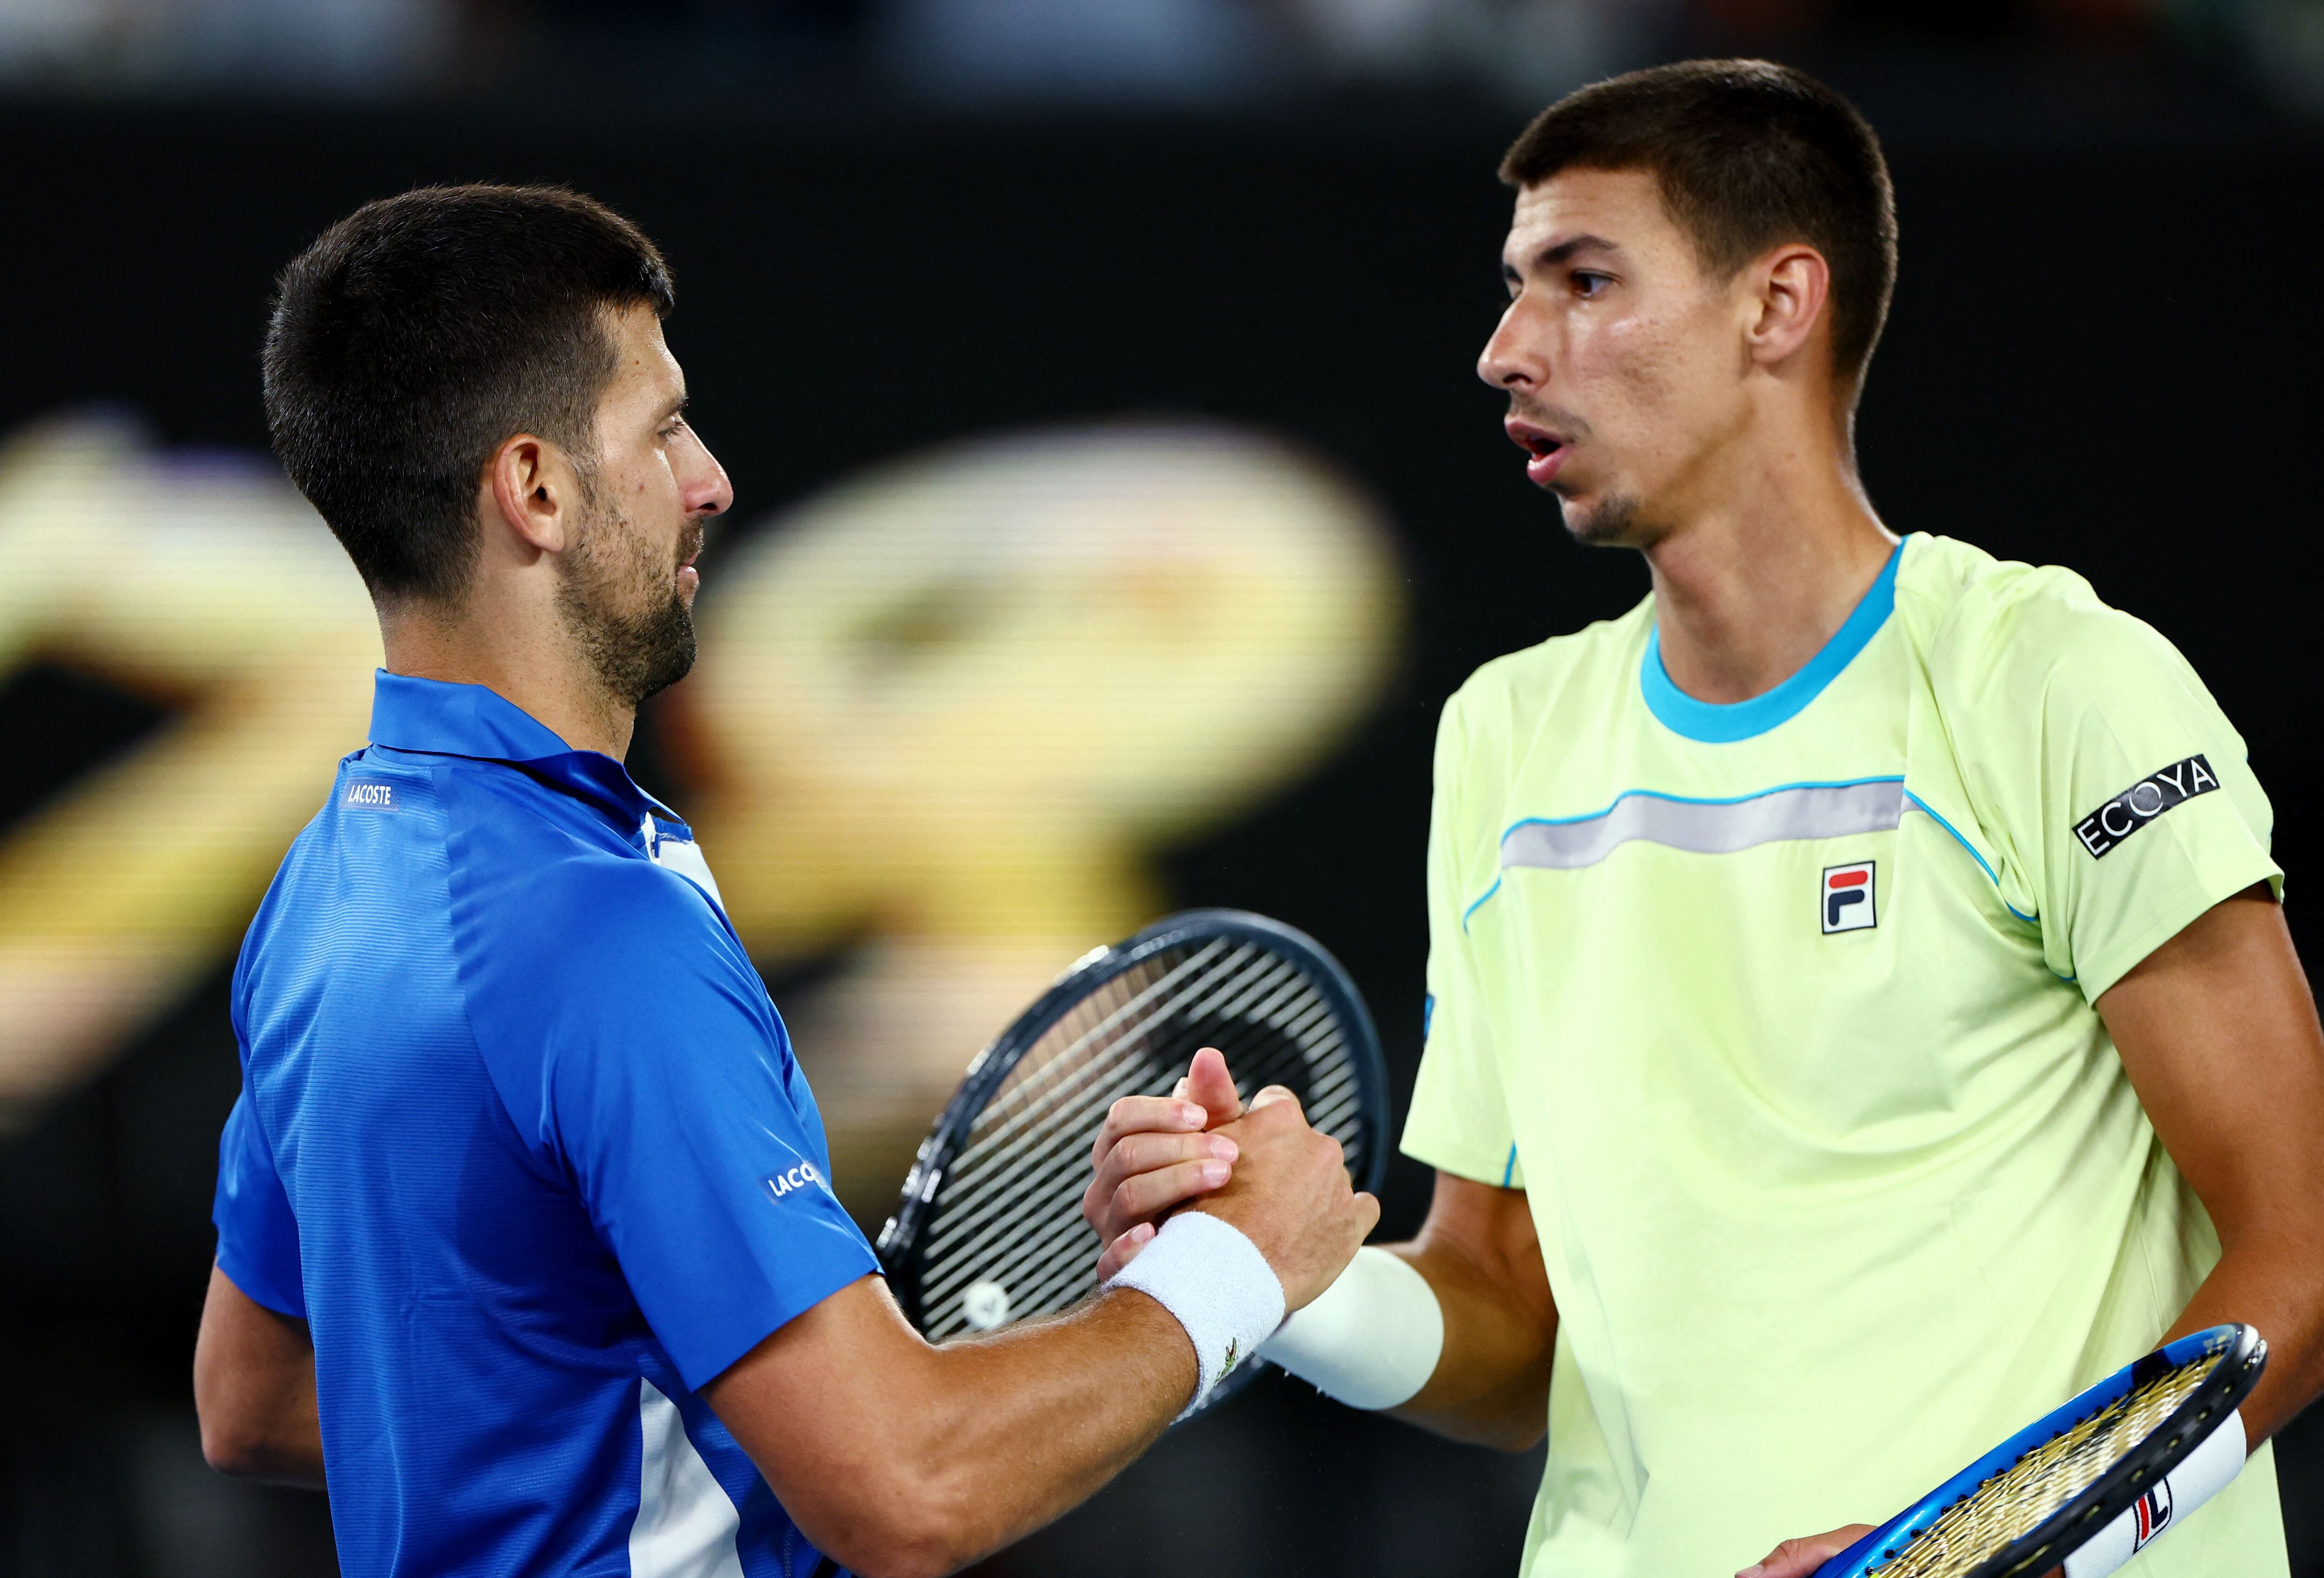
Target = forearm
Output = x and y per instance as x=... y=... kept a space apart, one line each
x=254 y=1391
x=1491 y=1386
x=2219 y=1033
x=901 y=1460
x=1464 y=1349
x=1020 y=1427
x=292 y=1457
x=929 y=1457
x=2274 y=1282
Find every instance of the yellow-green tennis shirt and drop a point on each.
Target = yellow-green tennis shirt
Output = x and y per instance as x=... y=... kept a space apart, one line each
x=1781 y=1014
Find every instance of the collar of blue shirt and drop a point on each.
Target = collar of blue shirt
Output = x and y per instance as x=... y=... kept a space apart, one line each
x=433 y=717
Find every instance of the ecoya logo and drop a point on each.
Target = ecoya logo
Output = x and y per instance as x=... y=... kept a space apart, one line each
x=2142 y=802
x=798 y=1177
x=1846 y=895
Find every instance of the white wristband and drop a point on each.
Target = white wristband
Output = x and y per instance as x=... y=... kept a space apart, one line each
x=1221 y=1288
x=1373 y=1338
x=2204 y=1474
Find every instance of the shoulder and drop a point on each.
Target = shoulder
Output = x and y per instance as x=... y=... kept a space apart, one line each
x=1510 y=696
x=583 y=911
x=370 y=856
x=593 y=968
x=1996 y=631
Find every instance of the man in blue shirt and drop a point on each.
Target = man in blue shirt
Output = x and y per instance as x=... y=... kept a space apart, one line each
x=525 y=1242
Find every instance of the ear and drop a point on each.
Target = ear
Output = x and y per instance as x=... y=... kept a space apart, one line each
x=1790 y=289
x=531 y=487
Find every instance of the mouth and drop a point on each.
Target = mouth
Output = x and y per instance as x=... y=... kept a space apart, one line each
x=1547 y=449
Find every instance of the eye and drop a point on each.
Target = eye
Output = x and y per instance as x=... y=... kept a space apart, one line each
x=1589 y=284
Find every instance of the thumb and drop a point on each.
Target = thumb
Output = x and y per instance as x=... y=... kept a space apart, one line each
x=1212 y=1088
x=1273 y=1093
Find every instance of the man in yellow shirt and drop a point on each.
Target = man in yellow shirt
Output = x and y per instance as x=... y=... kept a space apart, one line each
x=1860 y=1014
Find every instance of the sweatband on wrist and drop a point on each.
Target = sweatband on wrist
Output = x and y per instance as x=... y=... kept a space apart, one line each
x=1371 y=1339
x=2204 y=1474
x=1221 y=1288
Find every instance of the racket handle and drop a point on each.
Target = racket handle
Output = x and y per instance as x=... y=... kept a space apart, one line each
x=2203 y=1475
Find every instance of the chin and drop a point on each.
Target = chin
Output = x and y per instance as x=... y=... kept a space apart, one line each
x=1610 y=521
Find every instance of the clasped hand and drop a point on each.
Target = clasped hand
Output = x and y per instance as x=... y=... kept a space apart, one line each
x=1261 y=1168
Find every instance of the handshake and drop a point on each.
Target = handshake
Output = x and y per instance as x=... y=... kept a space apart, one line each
x=1260 y=1170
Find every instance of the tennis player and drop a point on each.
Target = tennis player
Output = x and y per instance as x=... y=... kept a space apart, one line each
x=1859 y=1012
x=526 y=1244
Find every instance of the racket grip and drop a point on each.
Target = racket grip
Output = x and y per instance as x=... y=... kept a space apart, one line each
x=2203 y=1475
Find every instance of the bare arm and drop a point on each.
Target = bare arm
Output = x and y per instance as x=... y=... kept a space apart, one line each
x=255 y=1390
x=2219 y=1035
x=901 y=1460
x=1478 y=1252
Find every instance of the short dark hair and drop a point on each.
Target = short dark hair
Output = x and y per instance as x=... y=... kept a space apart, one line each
x=1749 y=154
x=418 y=335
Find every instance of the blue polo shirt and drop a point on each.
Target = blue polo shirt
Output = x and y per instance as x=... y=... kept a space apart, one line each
x=521 y=1137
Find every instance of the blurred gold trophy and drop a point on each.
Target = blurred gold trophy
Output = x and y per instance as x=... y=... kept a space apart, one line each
x=944 y=713
x=208 y=585
x=948 y=710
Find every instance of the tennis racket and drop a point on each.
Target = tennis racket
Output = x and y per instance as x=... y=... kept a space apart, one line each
x=990 y=1230
x=2087 y=1486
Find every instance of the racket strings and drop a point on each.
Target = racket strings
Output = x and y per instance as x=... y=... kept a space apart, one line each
x=1087 y=1049
x=1034 y=1206
x=1007 y=1210
x=1096 y=1075
x=2015 y=1501
x=1028 y=1151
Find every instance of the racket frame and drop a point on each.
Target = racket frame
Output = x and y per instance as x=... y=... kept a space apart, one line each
x=999 y=1059
x=2112 y=1493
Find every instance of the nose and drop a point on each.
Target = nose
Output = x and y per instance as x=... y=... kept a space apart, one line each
x=1510 y=360
x=707 y=490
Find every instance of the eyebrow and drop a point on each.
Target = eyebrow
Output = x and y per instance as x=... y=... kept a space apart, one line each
x=1562 y=253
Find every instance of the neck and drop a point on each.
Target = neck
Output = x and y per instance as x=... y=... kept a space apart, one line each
x=1748 y=589
x=530 y=667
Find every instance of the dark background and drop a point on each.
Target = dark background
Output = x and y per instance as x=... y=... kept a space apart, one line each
x=2102 y=354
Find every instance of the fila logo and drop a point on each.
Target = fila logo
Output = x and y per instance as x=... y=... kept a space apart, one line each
x=1846 y=897
x=2153 y=1511
x=798 y=1177
x=369 y=793
x=2142 y=802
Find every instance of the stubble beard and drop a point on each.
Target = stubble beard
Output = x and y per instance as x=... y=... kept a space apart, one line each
x=616 y=569
x=1611 y=523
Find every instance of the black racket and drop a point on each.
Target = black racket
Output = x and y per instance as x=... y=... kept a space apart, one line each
x=2087 y=1485
x=990 y=1229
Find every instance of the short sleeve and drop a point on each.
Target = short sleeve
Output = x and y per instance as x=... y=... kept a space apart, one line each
x=1458 y=1122
x=258 y=1237
x=687 y=1121
x=2121 y=792
x=667 y=1088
